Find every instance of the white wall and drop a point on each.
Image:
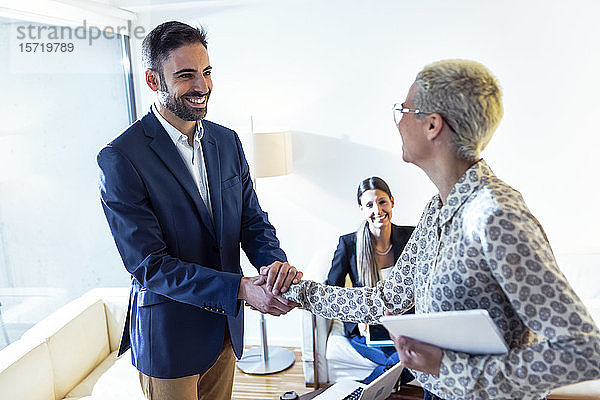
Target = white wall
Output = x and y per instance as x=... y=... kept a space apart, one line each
x=330 y=72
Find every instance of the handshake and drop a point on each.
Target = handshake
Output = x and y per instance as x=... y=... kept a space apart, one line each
x=263 y=292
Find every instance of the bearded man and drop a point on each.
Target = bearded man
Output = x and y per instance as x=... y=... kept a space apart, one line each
x=179 y=200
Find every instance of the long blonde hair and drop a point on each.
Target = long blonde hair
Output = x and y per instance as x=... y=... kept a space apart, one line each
x=368 y=272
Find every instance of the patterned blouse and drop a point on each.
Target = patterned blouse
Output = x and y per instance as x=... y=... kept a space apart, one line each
x=482 y=249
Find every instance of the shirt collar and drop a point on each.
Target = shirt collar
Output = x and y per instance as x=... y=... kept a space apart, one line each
x=466 y=185
x=173 y=132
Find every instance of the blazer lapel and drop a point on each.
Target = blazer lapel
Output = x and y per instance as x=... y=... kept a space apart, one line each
x=210 y=150
x=163 y=146
x=395 y=239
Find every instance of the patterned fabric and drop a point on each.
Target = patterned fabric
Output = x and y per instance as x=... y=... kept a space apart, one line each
x=430 y=396
x=482 y=249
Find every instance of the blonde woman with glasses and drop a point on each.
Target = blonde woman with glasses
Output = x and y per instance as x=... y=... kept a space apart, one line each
x=476 y=246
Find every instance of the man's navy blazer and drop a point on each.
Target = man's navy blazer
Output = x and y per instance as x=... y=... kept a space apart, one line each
x=184 y=265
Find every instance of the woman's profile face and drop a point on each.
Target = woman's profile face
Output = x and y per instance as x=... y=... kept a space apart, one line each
x=376 y=207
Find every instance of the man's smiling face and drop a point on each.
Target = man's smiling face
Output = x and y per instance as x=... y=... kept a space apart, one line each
x=185 y=82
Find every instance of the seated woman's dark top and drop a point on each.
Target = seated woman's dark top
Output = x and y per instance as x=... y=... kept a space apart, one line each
x=344 y=263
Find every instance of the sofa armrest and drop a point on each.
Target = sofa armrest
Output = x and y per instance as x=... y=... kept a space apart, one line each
x=115 y=302
x=315 y=330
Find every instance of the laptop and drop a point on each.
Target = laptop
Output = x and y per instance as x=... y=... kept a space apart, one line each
x=379 y=389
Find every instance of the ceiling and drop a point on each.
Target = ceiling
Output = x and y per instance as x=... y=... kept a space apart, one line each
x=145 y=5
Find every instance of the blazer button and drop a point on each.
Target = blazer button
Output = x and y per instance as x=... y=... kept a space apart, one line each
x=215 y=248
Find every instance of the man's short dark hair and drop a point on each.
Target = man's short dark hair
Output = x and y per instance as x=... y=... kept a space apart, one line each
x=166 y=37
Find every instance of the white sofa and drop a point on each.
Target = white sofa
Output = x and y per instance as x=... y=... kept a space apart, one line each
x=336 y=358
x=72 y=354
x=323 y=340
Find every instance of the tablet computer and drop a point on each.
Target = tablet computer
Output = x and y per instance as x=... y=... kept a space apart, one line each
x=471 y=331
x=378 y=336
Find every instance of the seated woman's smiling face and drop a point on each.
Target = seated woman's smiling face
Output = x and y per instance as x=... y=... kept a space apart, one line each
x=376 y=207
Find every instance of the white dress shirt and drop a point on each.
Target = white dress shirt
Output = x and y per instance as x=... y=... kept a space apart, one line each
x=191 y=155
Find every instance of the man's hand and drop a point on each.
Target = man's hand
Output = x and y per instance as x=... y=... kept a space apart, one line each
x=279 y=276
x=261 y=299
x=418 y=355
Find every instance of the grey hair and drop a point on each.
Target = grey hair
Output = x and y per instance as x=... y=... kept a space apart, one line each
x=467 y=96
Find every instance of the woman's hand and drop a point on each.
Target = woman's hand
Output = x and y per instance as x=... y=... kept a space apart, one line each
x=418 y=355
x=279 y=277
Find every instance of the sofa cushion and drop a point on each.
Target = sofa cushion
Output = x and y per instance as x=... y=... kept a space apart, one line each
x=26 y=372
x=77 y=339
x=113 y=379
x=78 y=347
x=343 y=361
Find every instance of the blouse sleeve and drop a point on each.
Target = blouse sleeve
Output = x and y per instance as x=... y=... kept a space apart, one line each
x=568 y=346
x=362 y=304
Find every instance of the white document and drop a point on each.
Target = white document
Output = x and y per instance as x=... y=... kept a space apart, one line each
x=471 y=331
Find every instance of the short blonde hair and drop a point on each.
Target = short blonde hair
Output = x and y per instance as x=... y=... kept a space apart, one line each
x=467 y=96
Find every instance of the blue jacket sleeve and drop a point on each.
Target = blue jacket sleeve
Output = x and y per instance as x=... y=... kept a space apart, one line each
x=138 y=236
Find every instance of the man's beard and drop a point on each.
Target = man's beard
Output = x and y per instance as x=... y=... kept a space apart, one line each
x=178 y=106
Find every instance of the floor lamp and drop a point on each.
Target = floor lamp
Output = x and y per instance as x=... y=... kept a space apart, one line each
x=272 y=157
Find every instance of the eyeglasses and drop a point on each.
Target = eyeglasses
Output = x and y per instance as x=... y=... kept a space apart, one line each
x=400 y=109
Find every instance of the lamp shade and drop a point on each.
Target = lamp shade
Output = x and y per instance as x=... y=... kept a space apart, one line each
x=272 y=154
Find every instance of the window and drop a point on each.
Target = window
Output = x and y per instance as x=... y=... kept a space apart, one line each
x=58 y=109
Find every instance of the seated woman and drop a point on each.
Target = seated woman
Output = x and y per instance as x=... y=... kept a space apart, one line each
x=368 y=256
